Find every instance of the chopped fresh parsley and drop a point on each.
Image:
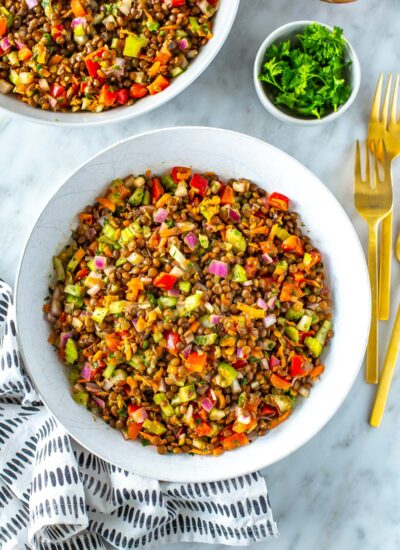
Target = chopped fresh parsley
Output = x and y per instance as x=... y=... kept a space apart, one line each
x=308 y=77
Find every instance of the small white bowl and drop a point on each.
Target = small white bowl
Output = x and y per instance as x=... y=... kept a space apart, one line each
x=290 y=30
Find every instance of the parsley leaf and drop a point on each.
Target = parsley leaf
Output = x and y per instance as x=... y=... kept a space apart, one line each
x=309 y=77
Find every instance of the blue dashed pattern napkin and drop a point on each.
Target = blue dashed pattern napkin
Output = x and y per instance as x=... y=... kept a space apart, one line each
x=55 y=495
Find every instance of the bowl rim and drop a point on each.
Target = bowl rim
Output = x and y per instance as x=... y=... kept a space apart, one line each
x=181 y=83
x=260 y=462
x=278 y=34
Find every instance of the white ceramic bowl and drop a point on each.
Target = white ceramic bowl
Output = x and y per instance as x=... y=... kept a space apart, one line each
x=222 y=25
x=231 y=155
x=290 y=30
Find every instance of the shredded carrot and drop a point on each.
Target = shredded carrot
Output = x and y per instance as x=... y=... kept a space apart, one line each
x=55 y=60
x=194 y=326
x=264 y=229
x=79 y=254
x=276 y=421
x=107 y=251
x=199 y=452
x=163 y=200
x=154 y=69
x=106 y=203
x=86 y=218
x=317 y=371
x=93 y=247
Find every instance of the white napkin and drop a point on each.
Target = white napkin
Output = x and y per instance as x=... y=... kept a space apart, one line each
x=56 y=495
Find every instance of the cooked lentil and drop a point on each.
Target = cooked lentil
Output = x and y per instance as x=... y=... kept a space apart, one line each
x=74 y=55
x=184 y=331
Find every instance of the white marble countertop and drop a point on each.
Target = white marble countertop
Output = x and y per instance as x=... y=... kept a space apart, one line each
x=342 y=489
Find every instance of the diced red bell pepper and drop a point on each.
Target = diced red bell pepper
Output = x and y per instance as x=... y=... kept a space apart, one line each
x=57 y=31
x=296 y=367
x=137 y=91
x=175 y=3
x=240 y=363
x=293 y=244
x=234 y=441
x=274 y=362
x=266 y=410
x=227 y=196
x=57 y=90
x=92 y=64
x=82 y=273
x=122 y=96
x=158 y=85
x=164 y=281
x=107 y=96
x=132 y=408
x=278 y=201
x=180 y=173
x=157 y=190
x=173 y=339
x=200 y=184
x=214 y=3
x=134 y=428
x=279 y=382
x=196 y=362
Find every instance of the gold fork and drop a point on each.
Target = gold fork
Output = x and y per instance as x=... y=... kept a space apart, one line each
x=387 y=128
x=373 y=200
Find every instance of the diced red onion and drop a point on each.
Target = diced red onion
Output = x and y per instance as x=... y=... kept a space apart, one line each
x=55 y=303
x=239 y=353
x=107 y=385
x=53 y=102
x=262 y=304
x=183 y=44
x=186 y=351
x=64 y=337
x=207 y=404
x=313 y=307
x=101 y=221
x=100 y=402
x=213 y=396
x=125 y=6
x=234 y=215
x=269 y=320
x=267 y=258
x=215 y=319
x=191 y=240
x=20 y=45
x=218 y=268
x=140 y=415
x=162 y=386
x=173 y=292
x=181 y=431
x=86 y=371
x=161 y=215
x=5 y=44
x=31 y=3
x=242 y=417
x=90 y=232
x=78 y=21
x=274 y=361
x=100 y=262
x=271 y=302
x=264 y=363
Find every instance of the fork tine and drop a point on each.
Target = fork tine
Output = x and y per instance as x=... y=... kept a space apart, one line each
x=393 y=110
x=376 y=103
x=357 y=166
x=377 y=178
x=385 y=108
x=367 y=166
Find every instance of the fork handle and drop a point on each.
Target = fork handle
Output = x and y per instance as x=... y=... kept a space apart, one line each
x=387 y=374
x=371 y=374
x=385 y=267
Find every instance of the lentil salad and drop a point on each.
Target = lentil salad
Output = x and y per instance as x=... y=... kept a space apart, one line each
x=74 y=55
x=191 y=312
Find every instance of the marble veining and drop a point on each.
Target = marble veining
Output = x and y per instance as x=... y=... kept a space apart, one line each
x=342 y=489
